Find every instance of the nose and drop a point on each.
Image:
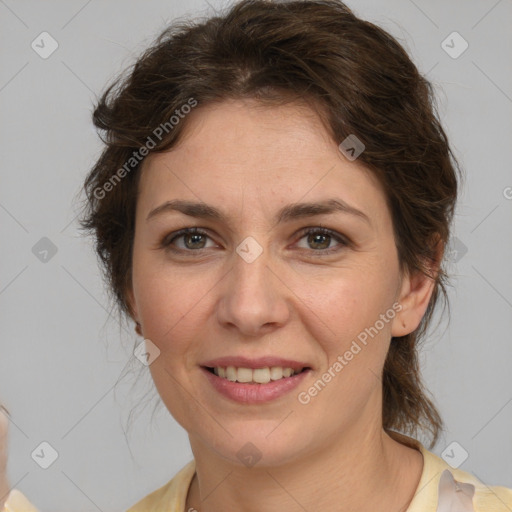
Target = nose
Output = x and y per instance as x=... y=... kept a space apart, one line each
x=254 y=298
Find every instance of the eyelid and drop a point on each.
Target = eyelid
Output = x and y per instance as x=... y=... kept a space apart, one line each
x=322 y=229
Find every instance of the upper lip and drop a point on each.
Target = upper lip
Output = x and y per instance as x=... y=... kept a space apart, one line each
x=260 y=362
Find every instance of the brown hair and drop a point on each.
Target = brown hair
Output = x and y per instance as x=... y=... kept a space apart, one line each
x=362 y=82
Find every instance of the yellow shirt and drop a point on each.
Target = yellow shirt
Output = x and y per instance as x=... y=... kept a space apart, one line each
x=441 y=489
x=172 y=496
x=16 y=502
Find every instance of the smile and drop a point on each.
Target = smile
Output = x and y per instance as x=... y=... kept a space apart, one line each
x=254 y=385
x=254 y=375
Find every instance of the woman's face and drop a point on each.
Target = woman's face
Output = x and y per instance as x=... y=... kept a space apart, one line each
x=253 y=284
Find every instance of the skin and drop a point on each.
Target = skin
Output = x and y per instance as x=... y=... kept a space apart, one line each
x=250 y=160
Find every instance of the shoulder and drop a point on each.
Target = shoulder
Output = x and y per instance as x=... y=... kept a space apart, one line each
x=171 y=497
x=453 y=487
x=17 y=502
x=486 y=498
x=443 y=487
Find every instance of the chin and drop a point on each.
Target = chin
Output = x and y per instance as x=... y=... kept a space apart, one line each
x=259 y=444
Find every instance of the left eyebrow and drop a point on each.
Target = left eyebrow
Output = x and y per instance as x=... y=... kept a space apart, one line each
x=286 y=214
x=301 y=210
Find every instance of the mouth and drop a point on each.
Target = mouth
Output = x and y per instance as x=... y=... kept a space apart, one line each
x=255 y=376
x=256 y=385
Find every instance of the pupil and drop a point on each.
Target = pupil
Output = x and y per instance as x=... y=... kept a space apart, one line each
x=194 y=238
x=316 y=236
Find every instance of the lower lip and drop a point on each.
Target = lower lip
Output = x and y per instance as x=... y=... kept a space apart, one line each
x=254 y=393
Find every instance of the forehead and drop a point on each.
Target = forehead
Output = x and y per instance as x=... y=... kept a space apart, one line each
x=241 y=151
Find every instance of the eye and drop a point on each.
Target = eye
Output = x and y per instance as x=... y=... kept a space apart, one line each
x=194 y=239
x=319 y=240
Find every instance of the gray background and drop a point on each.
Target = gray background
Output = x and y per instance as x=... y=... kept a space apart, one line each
x=61 y=351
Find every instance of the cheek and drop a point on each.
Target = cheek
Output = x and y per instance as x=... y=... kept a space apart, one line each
x=352 y=301
x=161 y=302
x=346 y=322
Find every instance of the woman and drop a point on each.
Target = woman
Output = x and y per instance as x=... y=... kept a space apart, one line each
x=271 y=209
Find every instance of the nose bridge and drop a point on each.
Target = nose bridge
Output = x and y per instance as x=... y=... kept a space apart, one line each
x=251 y=264
x=253 y=297
x=252 y=280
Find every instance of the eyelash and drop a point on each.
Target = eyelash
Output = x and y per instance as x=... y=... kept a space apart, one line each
x=166 y=242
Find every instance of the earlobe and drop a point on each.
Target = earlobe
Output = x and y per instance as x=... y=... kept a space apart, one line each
x=414 y=299
x=130 y=301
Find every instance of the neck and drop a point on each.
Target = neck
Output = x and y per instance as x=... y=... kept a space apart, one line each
x=355 y=473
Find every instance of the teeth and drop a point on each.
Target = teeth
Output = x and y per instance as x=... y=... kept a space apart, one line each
x=231 y=373
x=257 y=375
x=260 y=375
x=276 y=373
x=287 y=372
x=244 y=375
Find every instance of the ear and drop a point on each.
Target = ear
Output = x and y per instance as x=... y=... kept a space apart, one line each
x=132 y=306
x=414 y=296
